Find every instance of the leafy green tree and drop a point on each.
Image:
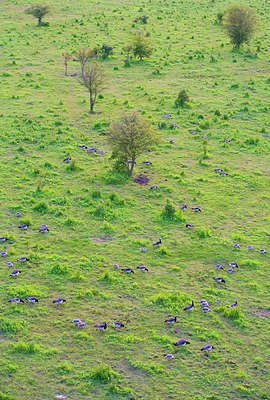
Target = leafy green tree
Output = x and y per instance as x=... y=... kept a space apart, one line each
x=240 y=24
x=38 y=12
x=141 y=45
x=106 y=51
x=129 y=138
x=93 y=80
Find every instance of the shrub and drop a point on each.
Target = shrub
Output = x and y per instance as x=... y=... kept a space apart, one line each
x=25 y=348
x=182 y=99
x=104 y=374
x=59 y=270
x=171 y=213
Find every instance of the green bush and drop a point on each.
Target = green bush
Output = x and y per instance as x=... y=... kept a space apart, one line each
x=104 y=374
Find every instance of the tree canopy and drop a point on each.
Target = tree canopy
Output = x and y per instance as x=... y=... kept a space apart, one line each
x=129 y=138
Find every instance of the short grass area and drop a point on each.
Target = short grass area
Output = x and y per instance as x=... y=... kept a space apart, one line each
x=98 y=218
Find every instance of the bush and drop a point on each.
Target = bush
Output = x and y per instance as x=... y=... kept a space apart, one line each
x=182 y=99
x=104 y=374
x=171 y=213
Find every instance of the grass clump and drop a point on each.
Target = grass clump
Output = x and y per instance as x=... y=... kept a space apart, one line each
x=104 y=374
x=26 y=348
x=170 y=302
x=172 y=213
x=10 y=327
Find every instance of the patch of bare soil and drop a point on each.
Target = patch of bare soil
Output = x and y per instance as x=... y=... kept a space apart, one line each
x=141 y=180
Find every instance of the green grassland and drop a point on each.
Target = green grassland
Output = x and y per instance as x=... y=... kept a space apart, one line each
x=98 y=218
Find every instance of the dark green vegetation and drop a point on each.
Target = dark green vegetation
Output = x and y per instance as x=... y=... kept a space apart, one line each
x=98 y=218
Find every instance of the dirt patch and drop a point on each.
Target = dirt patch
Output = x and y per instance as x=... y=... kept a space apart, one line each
x=141 y=180
x=103 y=239
x=262 y=313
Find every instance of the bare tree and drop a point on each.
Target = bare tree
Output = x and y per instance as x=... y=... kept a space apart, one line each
x=84 y=56
x=240 y=24
x=38 y=12
x=67 y=57
x=129 y=138
x=93 y=81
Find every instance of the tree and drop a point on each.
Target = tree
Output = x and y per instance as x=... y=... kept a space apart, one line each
x=240 y=24
x=38 y=12
x=93 y=81
x=128 y=50
x=182 y=99
x=141 y=45
x=67 y=57
x=129 y=138
x=84 y=56
x=106 y=51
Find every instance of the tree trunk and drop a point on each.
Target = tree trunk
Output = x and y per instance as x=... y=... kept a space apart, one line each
x=132 y=165
x=92 y=103
x=66 y=68
x=39 y=21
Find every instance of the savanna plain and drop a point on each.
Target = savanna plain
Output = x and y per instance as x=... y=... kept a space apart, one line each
x=101 y=221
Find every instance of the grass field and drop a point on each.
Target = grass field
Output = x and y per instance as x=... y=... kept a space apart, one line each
x=98 y=218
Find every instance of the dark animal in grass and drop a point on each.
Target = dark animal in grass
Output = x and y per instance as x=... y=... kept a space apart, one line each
x=236 y=246
x=23 y=259
x=154 y=187
x=147 y=162
x=3 y=239
x=16 y=272
x=233 y=265
x=219 y=280
x=60 y=396
x=250 y=248
x=181 y=343
x=262 y=251
x=82 y=324
x=127 y=270
x=18 y=214
x=171 y=320
x=59 y=301
x=142 y=268
x=219 y=266
x=171 y=141
x=76 y=322
x=101 y=327
x=189 y=226
x=206 y=309
x=9 y=264
x=168 y=356
x=190 y=307
x=183 y=207
x=67 y=160
x=158 y=243
x=230 y=270
x=204 y=303
x=32 y=299
x=196 y=209
x=207 y=348
x=44 y=229
x=118 y=325
x=83 y=147
x=233 y=305
x=23 y=227
x=16 y=300
x=3 y=254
